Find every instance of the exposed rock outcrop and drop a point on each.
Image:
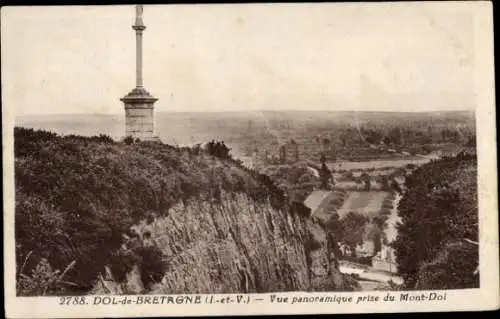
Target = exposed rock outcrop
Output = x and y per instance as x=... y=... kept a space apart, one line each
x=240 y=246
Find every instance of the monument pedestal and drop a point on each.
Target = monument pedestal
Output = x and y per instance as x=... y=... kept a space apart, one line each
x=139 y=111
x=139 y=115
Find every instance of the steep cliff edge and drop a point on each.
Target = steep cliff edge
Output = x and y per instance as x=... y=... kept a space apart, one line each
x=236 y=246
x=219 y=227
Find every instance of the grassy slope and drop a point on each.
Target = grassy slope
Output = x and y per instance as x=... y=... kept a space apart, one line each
x=76 y=197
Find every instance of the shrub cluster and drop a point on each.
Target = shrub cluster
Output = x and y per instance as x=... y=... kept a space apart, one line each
x=76 y=197
x=439 y=207
x=218 y=149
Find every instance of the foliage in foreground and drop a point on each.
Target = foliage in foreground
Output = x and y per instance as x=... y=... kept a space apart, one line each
x=42 y=280
x=77 y=196
x=436 y=245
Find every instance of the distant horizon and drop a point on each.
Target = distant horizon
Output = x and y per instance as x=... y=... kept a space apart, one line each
x=259 y=111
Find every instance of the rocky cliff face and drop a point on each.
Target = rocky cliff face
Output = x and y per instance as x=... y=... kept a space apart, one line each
x=239 y=246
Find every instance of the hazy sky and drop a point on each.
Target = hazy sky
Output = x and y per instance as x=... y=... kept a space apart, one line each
x=241 y=57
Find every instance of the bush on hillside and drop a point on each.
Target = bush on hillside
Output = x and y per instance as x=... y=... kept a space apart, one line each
x=439 y=206
x=122 y=262
x=42 y=280
x=76 y=196
x=453 y=268
x=218 y=149
x=152 y=265
x=128 y=140
x=334 y=231
x=299 y=208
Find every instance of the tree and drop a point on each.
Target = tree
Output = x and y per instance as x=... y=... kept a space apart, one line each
x=325 y=174
x=384 y=181
x=366 y=180
x=380 y=221
x=368 y=185
x=218 y=149
x=128 y=140
x=334 y=227
x=394 y=136
x=395 y=186
x=353 y=226
x=334 y=233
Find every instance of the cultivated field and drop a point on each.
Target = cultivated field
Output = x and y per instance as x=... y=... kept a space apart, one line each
x=324 y=203
x=368 y=203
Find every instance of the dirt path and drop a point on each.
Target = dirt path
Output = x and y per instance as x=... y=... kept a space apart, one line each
x=391 y=231
x=369 y=274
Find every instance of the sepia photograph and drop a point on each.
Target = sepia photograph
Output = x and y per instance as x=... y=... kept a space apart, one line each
x=161 y=150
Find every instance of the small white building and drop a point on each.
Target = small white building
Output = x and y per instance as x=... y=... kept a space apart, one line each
x=385 y=260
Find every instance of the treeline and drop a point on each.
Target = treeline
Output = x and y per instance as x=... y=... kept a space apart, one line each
x=297 y=181
x=437 y=240
x=364 y=140
x=77 y=197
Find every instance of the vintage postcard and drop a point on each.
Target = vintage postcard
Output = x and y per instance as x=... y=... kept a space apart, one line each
x=249 y=159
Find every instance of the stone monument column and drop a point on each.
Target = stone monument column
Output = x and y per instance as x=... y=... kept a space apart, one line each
x=139 y=110
x=139 y=27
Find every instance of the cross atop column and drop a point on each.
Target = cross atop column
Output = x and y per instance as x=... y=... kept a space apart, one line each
x=138 y=16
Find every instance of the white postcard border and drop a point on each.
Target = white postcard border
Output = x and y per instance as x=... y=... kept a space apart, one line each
x=484 y=298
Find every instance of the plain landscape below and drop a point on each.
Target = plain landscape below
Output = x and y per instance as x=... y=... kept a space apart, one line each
x=245 y=131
